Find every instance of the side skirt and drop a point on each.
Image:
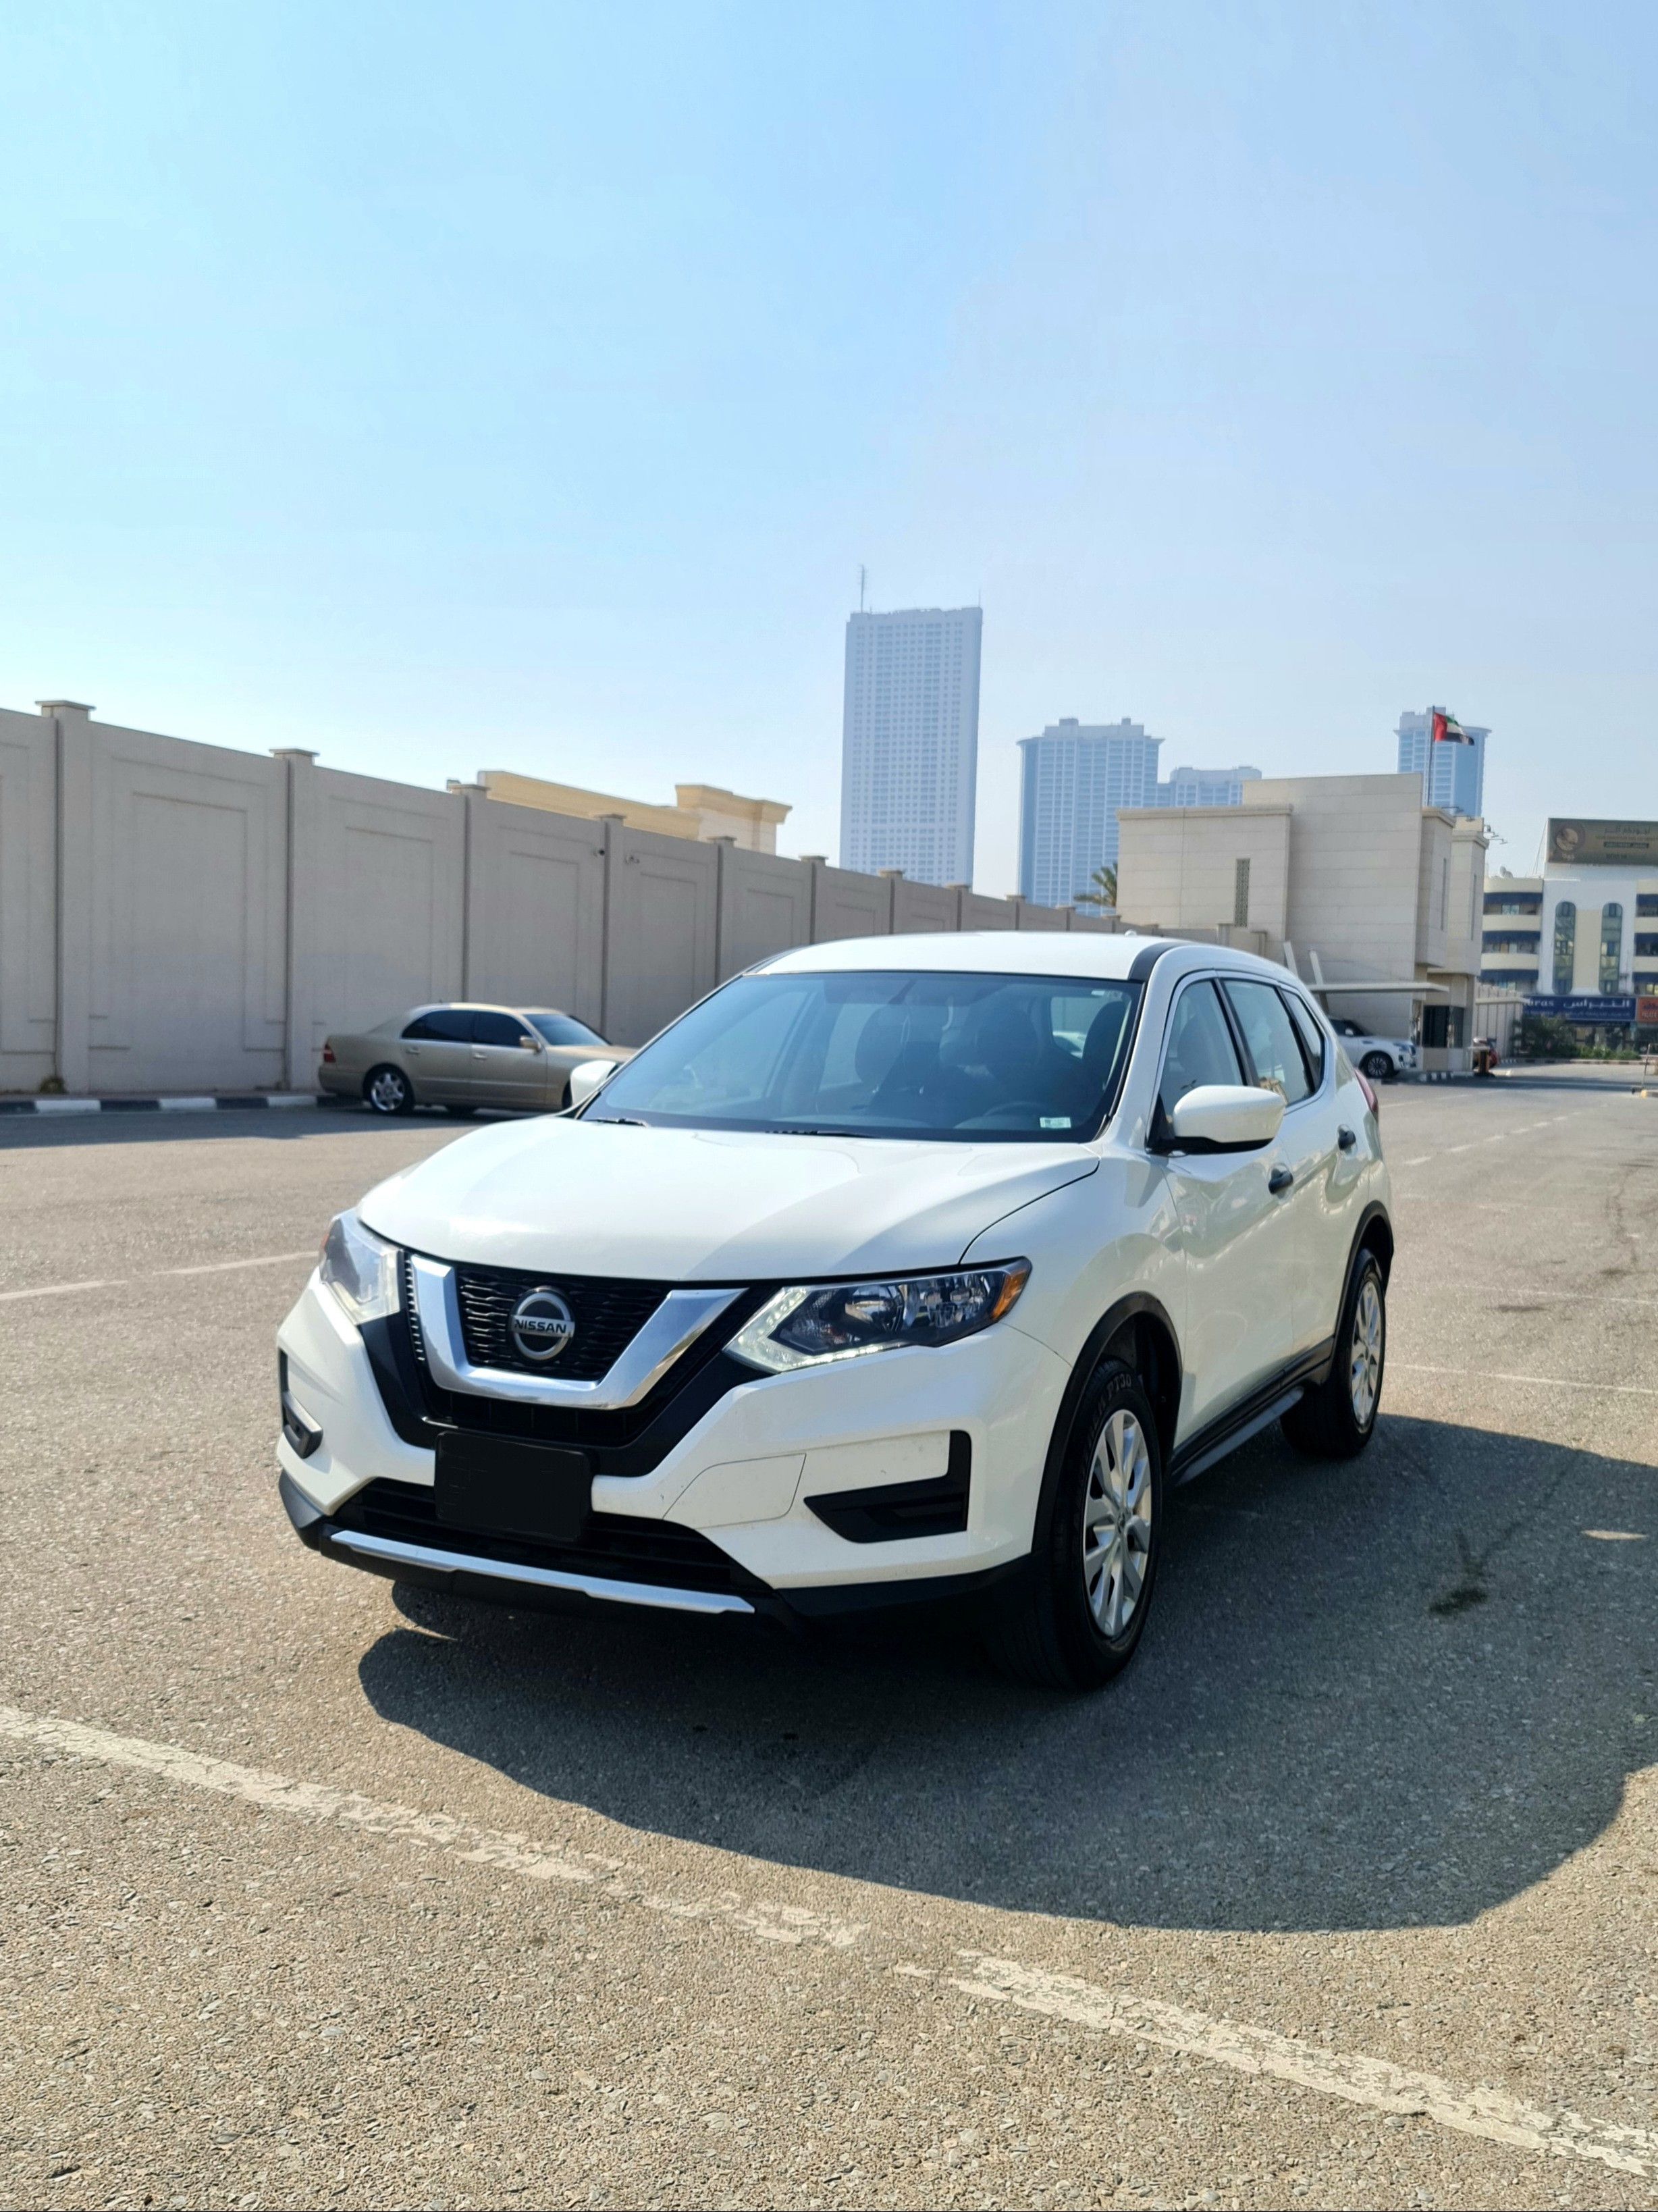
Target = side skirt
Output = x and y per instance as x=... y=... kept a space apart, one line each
x=1255 y=1413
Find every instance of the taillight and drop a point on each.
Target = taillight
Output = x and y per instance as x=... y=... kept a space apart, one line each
x=1368 y=1089
x=328 y=1056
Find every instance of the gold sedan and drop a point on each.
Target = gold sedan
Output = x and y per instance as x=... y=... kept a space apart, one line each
x=462 y=1057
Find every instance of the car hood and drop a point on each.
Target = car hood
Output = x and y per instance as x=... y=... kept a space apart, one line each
x=597 y=1197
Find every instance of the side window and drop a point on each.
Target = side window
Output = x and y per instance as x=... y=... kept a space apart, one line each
x=1271 y=1040
x=497 y=1028
x=443 y=1026
x=1311 y=1035
x=1200 y=1048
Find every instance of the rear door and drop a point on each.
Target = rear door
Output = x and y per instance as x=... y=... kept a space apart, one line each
x=1340 y=1108
x=1235 y=1236
x=1307 y=1149
x=506 y=1071
x=436 y=1051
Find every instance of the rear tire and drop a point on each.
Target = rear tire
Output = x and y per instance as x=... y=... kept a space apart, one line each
x=1338 y=1420
x=1077 y=1616
x=387 y=1090
x=1377 y=1066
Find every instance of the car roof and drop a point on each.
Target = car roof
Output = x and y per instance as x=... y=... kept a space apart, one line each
x=1094 y=956
x=480 y=1006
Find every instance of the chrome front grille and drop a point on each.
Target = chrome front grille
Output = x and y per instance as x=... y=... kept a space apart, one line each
x=608 y=1312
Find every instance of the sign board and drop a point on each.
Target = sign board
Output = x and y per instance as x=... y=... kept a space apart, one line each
x=1589 y=1006
x=1573 y=839
x=1646 y=1012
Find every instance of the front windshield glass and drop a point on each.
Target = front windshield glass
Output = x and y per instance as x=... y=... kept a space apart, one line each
x=886 y=1054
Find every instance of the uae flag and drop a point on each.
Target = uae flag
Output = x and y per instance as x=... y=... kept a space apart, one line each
x=1447 y=730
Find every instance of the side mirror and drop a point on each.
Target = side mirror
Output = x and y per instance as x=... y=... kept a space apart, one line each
x=588 y=1076
x=1226 y=1117
x=528 y=1044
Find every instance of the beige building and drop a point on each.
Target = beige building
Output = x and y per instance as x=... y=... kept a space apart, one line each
x=1350 y=878
x=703 y=810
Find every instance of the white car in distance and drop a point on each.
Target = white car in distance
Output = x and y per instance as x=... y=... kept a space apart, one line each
x=904 y=1269
x=1378 y=1058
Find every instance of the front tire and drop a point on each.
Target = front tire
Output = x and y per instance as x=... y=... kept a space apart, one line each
x=387 y=1090
x=1338 y=1420
x=1077 y=1619
x=1377 y=1066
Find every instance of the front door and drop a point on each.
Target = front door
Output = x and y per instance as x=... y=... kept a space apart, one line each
x=1234 y=1235
x=507 y=1071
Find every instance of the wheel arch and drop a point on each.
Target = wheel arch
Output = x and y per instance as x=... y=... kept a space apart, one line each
x=1137 y=1330
x=1375 y=1233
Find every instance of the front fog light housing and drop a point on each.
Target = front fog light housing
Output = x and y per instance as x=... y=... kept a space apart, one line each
x=360 y=1268
x=809 y=1325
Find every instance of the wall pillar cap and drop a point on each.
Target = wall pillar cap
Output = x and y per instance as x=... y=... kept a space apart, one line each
x=291 y=752
x=62 y=707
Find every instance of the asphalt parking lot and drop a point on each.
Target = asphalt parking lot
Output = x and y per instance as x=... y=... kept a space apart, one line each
x=316 y=1891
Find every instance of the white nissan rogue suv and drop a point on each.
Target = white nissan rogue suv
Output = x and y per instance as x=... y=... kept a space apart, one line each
x=912 y=1267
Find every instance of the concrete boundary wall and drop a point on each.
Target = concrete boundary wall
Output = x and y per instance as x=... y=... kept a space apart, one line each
x=181 y=916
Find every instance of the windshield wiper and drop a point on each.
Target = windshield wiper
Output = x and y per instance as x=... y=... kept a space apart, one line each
x=800 y=1129
x=620 y=1120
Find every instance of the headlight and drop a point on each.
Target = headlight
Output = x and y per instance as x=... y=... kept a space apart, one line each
x=359 y=1269
x=807 y=1326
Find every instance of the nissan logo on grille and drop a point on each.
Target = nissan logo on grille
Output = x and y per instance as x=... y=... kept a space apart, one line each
x=541 y=1325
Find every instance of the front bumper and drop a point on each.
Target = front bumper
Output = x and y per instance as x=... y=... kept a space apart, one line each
x=731 y=1495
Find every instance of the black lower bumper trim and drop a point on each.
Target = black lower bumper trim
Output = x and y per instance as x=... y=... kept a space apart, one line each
x=433 y=1563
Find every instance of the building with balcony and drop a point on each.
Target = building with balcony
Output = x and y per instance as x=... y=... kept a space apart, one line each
x=1373 y=897
x=909 y=741
x=1206 y=786
x=1585 y=930
x=1073 y=780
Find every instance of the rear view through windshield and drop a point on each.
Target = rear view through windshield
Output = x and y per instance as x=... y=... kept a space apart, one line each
x=886 y=1054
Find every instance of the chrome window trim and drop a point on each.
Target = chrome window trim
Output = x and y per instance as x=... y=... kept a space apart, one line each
x=670 y=1331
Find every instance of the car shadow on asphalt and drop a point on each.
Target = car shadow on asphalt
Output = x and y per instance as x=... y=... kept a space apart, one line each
x=1391 y=1693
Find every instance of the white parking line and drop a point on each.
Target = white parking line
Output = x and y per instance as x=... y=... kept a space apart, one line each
x=1359 y=2081
x=227 y=1266
x=119 y=1282
x=512 y=1854
x=1539 y=1382
x=1497 y=1137
x=1372 y=2082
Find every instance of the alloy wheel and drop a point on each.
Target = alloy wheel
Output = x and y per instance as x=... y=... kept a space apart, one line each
x=1364 y=1369
x=1117 y=1524
x=385 y=1091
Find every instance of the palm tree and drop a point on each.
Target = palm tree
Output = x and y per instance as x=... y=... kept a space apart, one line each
x=1104 y=888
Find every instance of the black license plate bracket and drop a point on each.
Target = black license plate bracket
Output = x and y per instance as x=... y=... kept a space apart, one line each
x=501 y=1486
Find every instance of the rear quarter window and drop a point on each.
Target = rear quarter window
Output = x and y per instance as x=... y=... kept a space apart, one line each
x=1311 y=1035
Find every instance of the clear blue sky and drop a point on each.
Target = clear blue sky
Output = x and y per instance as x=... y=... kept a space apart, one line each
x=460 y=387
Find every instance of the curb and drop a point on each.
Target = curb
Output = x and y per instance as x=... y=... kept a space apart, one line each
x=206 y=1103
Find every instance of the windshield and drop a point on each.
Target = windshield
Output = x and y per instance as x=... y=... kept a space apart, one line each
x=564 y=1029
x=886 y=1054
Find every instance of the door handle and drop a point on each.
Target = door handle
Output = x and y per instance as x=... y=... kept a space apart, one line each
x=1344 y=1138
x=1280 y=1180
